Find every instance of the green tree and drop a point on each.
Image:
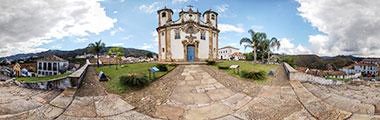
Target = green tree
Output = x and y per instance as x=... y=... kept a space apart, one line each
x=253 y=42
x=273 y=44
x=96 y=48
x=117 y=53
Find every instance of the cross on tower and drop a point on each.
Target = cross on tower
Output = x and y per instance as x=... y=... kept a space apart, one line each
x=190 y=6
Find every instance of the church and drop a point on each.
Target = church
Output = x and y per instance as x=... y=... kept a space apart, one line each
x=191 y=38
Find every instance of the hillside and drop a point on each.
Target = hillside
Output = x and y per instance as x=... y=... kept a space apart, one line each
x=317 y=62
x=72 y=53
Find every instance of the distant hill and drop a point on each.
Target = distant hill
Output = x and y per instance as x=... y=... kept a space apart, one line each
x=72 y=53
x=317 y=62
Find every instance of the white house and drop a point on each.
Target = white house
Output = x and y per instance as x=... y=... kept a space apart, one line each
x=365 y=69
x=193 y=37
x=225 y=53
x=51 y=65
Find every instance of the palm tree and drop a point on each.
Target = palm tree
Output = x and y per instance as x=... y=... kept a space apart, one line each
x=117 y=52
x=274 y=43
x=252 y=42
x=96 y=47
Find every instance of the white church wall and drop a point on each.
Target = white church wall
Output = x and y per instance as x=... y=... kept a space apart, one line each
x=163 y=43
x=177 y=49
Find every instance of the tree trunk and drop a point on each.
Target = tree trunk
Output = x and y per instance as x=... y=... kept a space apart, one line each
x=268 y=56
x=97 y=59
x=254 y=55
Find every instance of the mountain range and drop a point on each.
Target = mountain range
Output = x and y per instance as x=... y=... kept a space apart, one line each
x=72 y=53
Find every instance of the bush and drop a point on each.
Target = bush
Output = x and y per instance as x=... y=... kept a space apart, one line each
x=253 y=75
x=223 y=67
x=134 y=80
x=210 y=62
x=162 y=67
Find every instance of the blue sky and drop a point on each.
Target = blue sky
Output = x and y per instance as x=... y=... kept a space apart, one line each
x=134 y=26
x=322 y=27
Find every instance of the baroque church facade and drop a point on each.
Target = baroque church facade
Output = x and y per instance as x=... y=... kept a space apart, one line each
x=193 y=37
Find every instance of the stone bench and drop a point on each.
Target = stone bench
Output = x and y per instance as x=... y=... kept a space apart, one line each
x=316 y=106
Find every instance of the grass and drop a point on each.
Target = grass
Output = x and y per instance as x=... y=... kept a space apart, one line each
x=246 y=66
x=41 y=79
x=114 y=85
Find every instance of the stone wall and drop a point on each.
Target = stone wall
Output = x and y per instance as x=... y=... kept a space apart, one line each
x=295 y=75
x=71 y=81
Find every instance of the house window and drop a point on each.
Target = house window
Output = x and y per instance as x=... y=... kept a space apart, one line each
x=177 y=34
x=39 y=66
x=203 y=35
x=163 y=14
x=49 y=66
x=45 y=65
x=55 y=67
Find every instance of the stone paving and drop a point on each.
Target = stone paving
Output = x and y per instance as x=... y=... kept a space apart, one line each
x=200 y=92
x=200 y=96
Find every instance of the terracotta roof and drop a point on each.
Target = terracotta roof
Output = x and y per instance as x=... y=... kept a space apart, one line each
x=229 y=47
x=51 y=58
x=237 y=54
x=365 y=64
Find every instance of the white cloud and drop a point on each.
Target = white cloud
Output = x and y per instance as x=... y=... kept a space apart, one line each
x=222 y=8
x=155 y=36
x=257 y=28
x=115 y=12
x=179 y=1
x=122 y=1
x=348 y=27
x=128 y=37
x=287 y=47
x=151 y=8
x=27 y=24
x=231 y=28
x=146 y=46
x=80 y=40
x=116 y=30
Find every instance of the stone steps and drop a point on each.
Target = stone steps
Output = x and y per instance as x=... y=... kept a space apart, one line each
x=316 y=106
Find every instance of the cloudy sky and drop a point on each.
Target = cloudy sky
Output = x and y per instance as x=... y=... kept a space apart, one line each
x=323 y=27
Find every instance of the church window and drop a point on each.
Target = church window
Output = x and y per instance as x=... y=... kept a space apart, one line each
x=203 y=35
x=213 y=17
x=163 y=14
x=177 y=34
x=163 y=49
x=162 y=33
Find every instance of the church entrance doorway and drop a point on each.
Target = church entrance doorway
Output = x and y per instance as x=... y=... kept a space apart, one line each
x=190 y=53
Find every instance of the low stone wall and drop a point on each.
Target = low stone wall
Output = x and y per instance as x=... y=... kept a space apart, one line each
x=295 y=75
x=71 y=81
x=62 y=83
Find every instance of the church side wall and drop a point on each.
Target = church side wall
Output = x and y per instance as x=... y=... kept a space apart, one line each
x=203 y=47
x=177 y=46
x=163 y=44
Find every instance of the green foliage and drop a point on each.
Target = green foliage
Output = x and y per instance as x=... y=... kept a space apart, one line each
x=253 y=75
x=223 y=67
x=210 y=62
x=288 y=59
x=134 y=80
x=162 y=67
x=248 y=56
x=261 y=45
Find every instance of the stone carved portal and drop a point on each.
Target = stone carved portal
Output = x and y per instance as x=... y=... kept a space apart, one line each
x=190 y=44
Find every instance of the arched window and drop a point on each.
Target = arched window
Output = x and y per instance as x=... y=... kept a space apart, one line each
x=163 y=14
x=163 y=49
x=203 y=35
x=177 y=34
x=213 y=17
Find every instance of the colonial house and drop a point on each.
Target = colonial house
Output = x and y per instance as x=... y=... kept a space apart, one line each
x=237 y=56
x=225 y=53
x=193 y=37
x=51 y=65
x=365 y=68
